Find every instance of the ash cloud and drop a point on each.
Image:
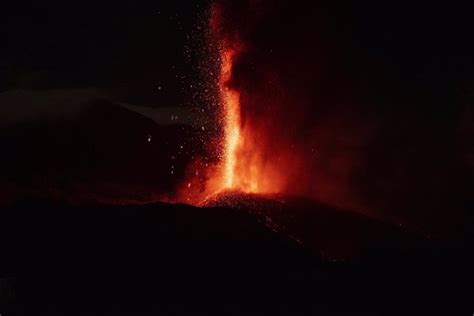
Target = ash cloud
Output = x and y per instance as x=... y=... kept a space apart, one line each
x=360 y=104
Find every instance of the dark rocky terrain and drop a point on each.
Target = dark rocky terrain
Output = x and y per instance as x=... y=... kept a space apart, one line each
x=334 y=233
x=165 y=259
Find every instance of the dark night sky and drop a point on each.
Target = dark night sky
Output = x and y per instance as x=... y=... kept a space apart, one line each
x=137 y=46
x=131 y=48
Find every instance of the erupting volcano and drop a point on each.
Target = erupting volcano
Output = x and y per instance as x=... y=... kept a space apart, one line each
x=298 y=107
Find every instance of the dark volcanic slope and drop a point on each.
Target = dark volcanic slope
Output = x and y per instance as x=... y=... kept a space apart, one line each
x=180 y=260
x=334 y=233
x=84 y=257
x=104 y=151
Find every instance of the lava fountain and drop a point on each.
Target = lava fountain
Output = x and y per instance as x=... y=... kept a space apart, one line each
x=243 y=150
x=230 y=100
x=242 y=167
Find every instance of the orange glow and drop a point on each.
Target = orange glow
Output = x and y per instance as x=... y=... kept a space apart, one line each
x=243 y=167
x=231 y=111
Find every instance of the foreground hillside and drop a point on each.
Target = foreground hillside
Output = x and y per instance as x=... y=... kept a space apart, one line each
x=180 y=260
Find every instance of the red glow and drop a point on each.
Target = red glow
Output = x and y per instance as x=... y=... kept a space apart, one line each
x=230 y=100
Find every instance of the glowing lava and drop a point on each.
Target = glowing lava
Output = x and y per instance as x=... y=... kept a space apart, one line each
x=243 y=166
x=231 y=111
x=245 y=161
x=239 y=166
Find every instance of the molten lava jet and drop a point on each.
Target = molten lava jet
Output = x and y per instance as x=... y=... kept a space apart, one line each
x=242 y=167
x=230 y=99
